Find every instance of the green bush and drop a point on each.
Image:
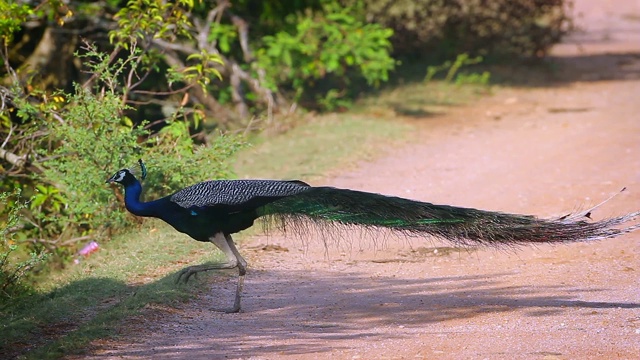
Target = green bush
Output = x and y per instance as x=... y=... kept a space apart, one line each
x=331 y=45
x=91 y=142
x=448 y=27
x=61 y=145
x=16 y=263
x=89 y=138
x=95 y=142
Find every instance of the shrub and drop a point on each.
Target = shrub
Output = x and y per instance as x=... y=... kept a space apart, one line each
x=95 y=142
x=62 y=145
x=329 y=45
x=448 y=27
x=16 y=264
x=89 y=138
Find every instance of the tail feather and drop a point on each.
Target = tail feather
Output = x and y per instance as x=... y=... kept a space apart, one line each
x=463 y=226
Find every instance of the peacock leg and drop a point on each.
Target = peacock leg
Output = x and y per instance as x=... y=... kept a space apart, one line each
x=242 y=270
x=234 y=260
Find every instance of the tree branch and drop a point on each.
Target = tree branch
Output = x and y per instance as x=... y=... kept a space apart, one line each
x=219 y=111
x=231 y=69
x=13 y=159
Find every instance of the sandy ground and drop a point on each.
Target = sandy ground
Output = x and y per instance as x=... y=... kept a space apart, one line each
x=544 y=151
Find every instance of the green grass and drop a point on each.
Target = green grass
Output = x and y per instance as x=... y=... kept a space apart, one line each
x=88 y=301
x=321 y=146
x=91 y=300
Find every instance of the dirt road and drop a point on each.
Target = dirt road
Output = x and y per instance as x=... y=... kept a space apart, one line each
x=543 y=151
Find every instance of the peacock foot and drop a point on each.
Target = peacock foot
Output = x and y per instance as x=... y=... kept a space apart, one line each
x=186 y=273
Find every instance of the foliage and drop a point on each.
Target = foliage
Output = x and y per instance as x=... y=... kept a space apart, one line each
x=63 y=145
x=144 y=20
x=524 y=28
x=94 y=143
x=328 y=43
x=12 y=15
x=452 y=67
x=14 y=266
x=482 y=78
x=142 y=23
x=269 y=53
x=172 y=168
x=453 y=71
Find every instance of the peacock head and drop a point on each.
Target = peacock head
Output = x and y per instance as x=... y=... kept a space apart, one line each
x=126 y=176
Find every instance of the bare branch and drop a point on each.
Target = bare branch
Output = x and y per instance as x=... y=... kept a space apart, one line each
x=236 y=94
x=13 y=159
x=213 y=16
x=230 y=69
x=112 y=56
x=243 y=31
x=4 y=143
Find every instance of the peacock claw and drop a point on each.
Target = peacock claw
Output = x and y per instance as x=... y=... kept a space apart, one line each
x=233 y=310
x=186 y=273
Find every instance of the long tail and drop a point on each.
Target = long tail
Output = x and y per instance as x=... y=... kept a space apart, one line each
x=463 y=226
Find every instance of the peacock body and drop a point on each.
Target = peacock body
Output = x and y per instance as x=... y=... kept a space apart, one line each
x=214 y=210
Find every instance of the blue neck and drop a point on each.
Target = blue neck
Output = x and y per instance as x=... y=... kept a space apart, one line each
x=132 y=200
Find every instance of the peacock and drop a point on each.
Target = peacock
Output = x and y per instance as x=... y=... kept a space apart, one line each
x=211 y=211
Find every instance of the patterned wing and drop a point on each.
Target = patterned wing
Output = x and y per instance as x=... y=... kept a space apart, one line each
x=234 y=192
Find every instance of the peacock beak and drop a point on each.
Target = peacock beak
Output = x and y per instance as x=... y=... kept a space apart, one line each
x=111 y=179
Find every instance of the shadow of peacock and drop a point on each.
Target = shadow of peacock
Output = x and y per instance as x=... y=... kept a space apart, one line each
x=211 y=211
